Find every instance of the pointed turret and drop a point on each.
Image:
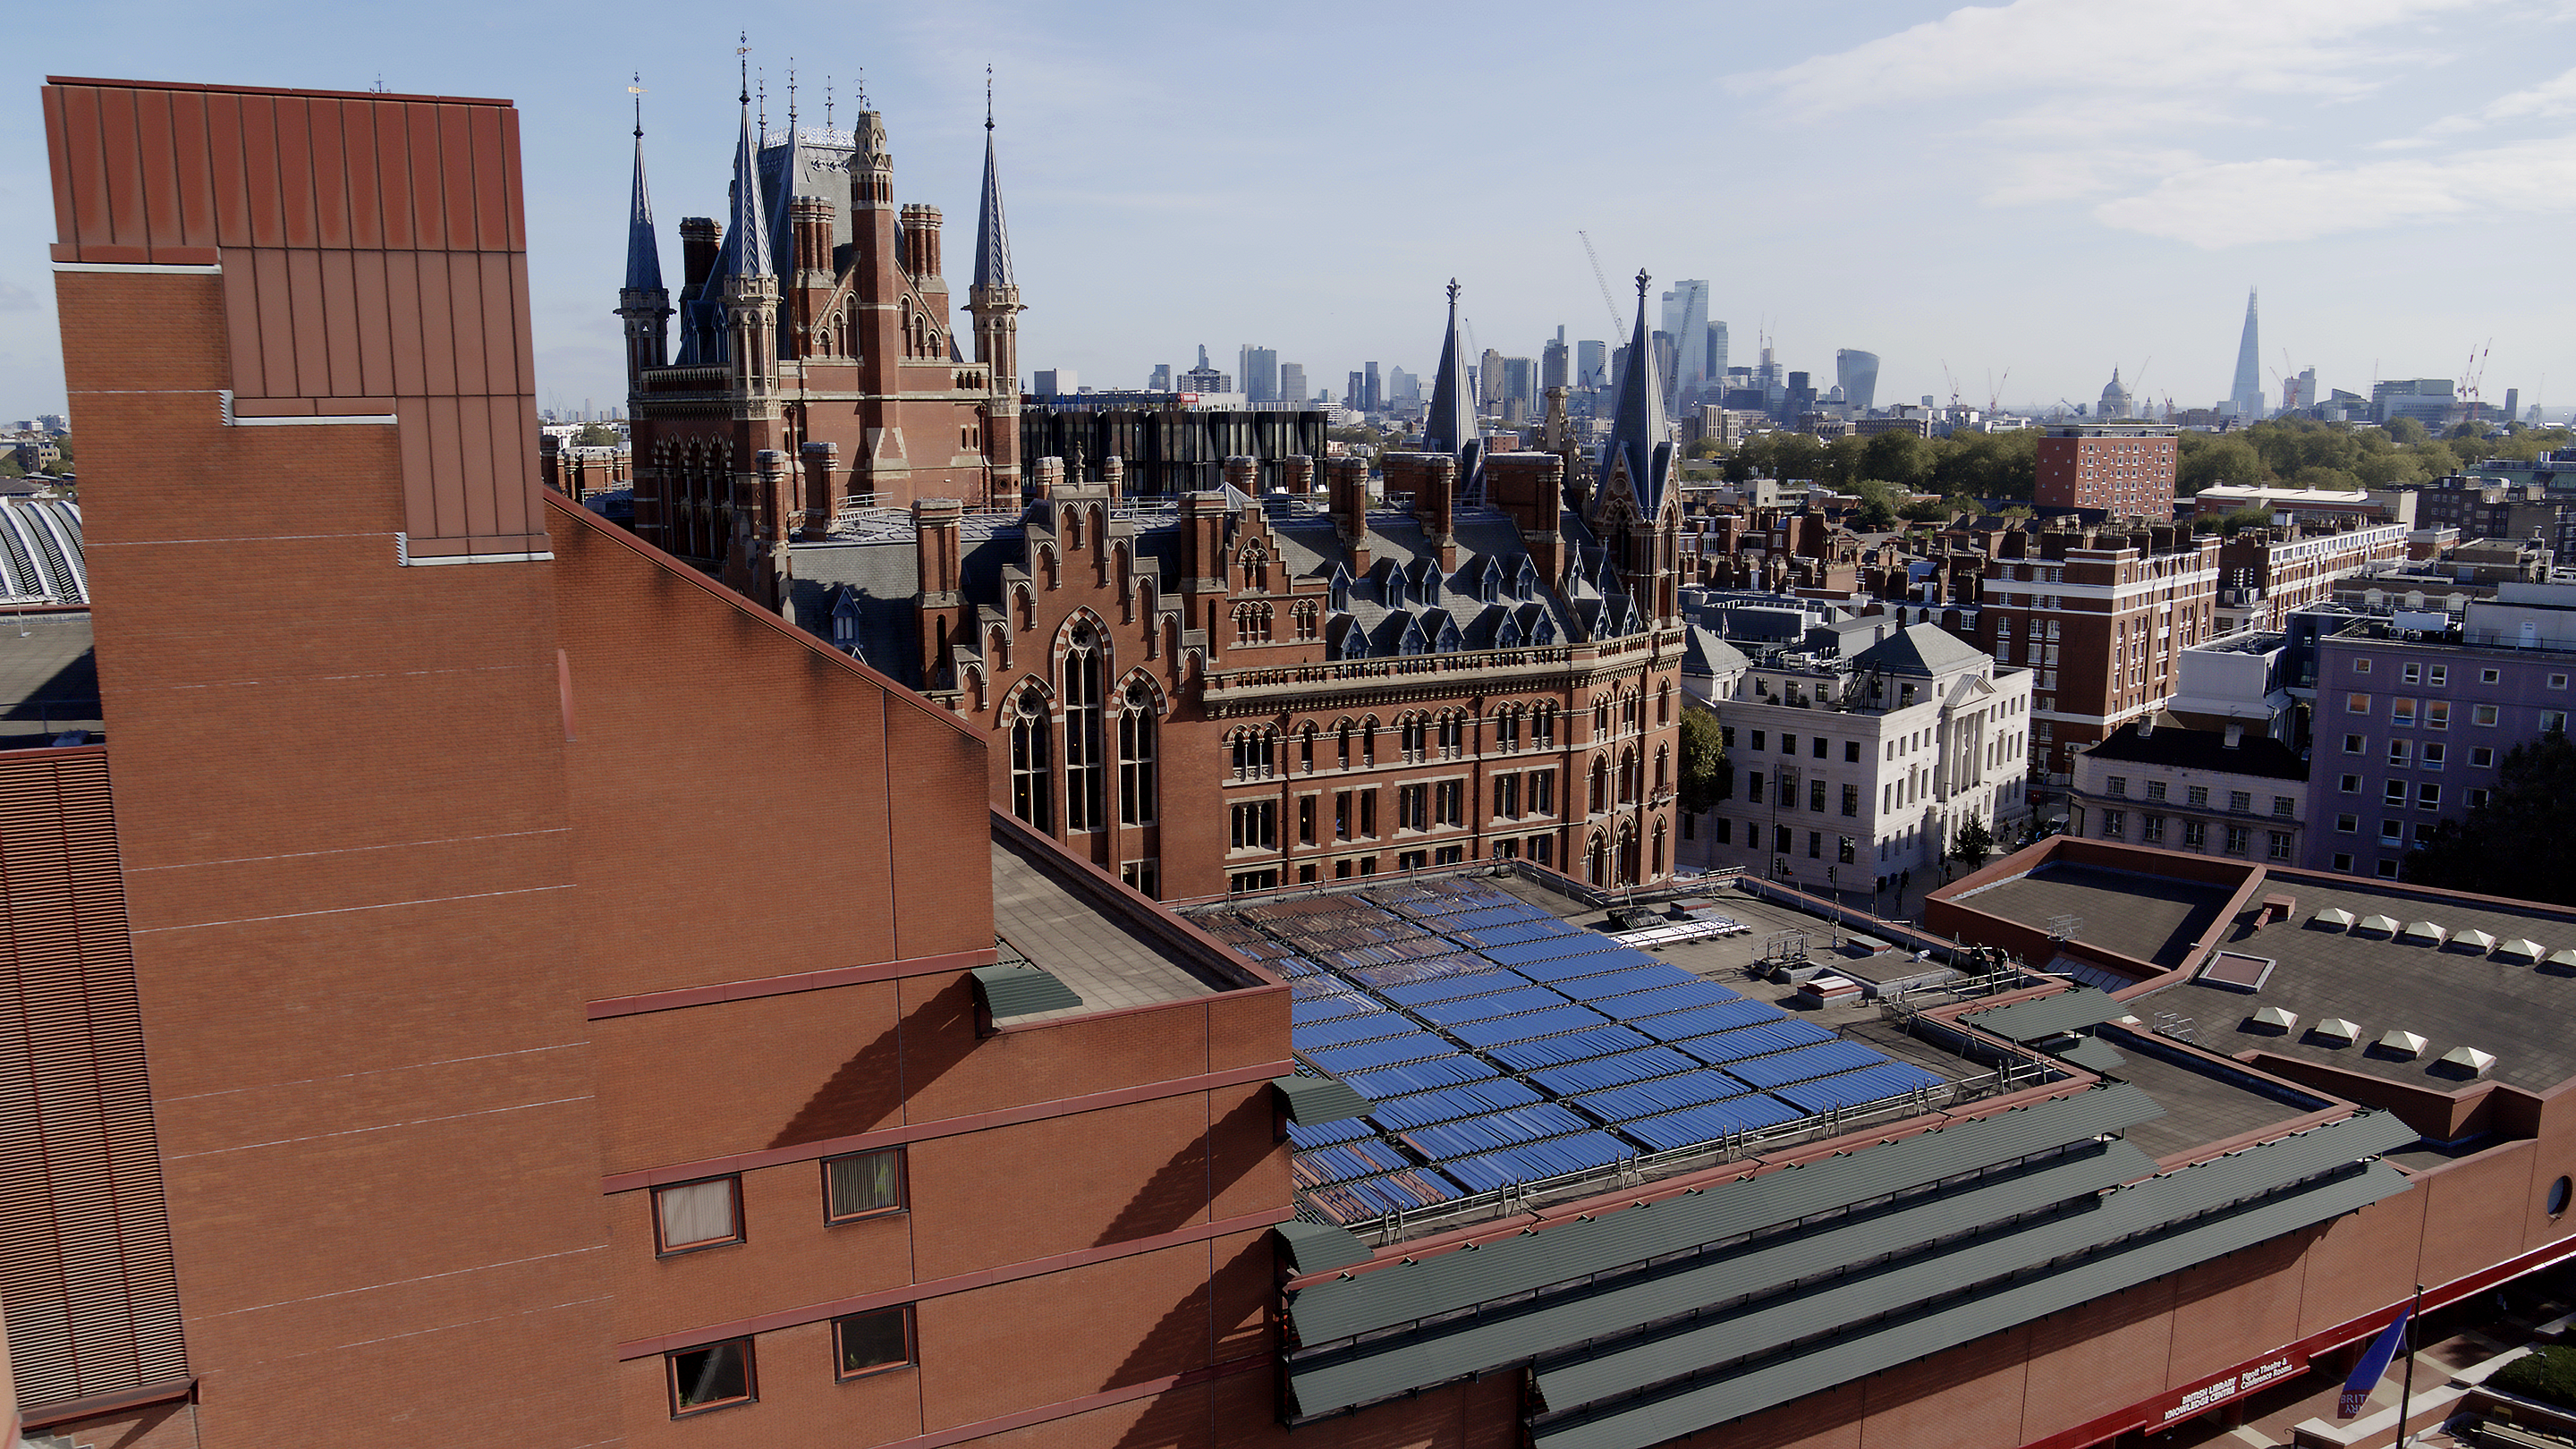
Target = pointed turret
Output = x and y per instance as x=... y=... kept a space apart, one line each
x=1451 y=425
x=747 y=230
x=993 y=302
x=992 y=237
x=1640 y=437
x=644 y=303
x=782 y=222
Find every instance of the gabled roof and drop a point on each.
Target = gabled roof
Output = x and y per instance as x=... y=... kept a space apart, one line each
x=1706 y=653
x=1923 y=649
x=1639 y=434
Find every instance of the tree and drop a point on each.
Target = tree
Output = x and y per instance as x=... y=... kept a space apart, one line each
x=2522 y=842
x=1877 y=502
x=1708 y=448
x=2404 y=431
x=1704 y=767
x=597 y=435
x=1973 y=843
x=1897 y=457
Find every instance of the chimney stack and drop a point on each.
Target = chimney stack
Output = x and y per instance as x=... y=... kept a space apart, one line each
x=1297 y=471
x=1347 y=480
x=939 y=555
x=921 y=240
x=698 y=245
x=822 y=465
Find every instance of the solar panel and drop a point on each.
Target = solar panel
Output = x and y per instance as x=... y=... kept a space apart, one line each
x=1477 y=920
x=1707 y=1124
x=1421 y=968
x=1306 y=1012
x=1679 y=997
x=1471 y=1135
x=1805 y=1064
x=1665 y=1094
x=1372 y=1023
x=1707 y=1020
x=1612 y=1071
x=1634 y=978
x=1349 y=1129
x=1538 y=1160
x=1347 y=1160
x=1550 y=948
x=1449 y=988
x=1853 y=1089
x=1591 y=963
x=1787 y=1034
x=1370 y=1055
x=1516 y=935
x=1351 y=1202
x=1528 y=1026
x=1421 y=1076
x=1556 y=1051
x=1424 y=1108
x=1499 y=1003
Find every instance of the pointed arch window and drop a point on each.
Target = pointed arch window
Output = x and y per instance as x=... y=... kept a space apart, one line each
x=1600 y=783
x=1136 y=758
x=1086 y=769
x=1032 y=783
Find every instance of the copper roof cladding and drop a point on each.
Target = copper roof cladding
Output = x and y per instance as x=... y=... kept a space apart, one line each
x=374 y=259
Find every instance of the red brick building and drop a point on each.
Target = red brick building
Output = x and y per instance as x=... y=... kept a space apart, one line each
x=1223 y=692
x=816 y=365
x=2126 y=469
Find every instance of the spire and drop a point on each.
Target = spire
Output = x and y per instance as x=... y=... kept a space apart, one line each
x=643 y=252
x=1639 y=433
x=747 y=234
x=1451 y=425
x=791 y=174
x=992 y=237
x=2246 y=398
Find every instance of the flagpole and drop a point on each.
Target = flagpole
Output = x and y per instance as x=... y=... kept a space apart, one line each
x=2406 y=1394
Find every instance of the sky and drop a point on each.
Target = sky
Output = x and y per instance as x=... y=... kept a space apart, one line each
x=2008 y=199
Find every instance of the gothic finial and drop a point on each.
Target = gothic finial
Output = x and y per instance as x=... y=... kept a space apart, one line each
x=1453 y=291
x=827 y=103
x=1642 y=279
x=791 y=93
x=742 y=56
x=637 y=91
x=988 y=95
x=863 y=88
x=761 y=88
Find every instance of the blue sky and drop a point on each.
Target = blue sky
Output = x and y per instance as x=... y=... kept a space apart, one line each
x=2047 y=186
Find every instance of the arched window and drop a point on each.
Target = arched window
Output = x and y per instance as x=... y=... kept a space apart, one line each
x=1664 y=704
x=1251 y=624
x=1306 y=750
x=1663 y=767
x=1601 y=717
x=1453 y=736
x=1136 y=757
x=1628 y=713
x=1086 y=770
x=1031 y=783
x=1600 y=783
x=1368 y=740
x=1659 y=849
x=1627 y=852
x=1507 y=729
x=1596 y=860
x=1256 y=569
x=1415 y=737
x=1343 y=732
x=1255 y=753
x=1307 y=615
x=1628 y=776
x=1543 y=726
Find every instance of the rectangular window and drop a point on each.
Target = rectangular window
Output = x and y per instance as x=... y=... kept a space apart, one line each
x=2356 y=704
x=711 y=1376
x=871 y=1343
x=1757 y=739
x=2361 y=666
x=2388 y=870
x=2432 y=755
x=2283 y=807
x=1818 y=746
x=2355 y=745
x=2392 y=832
x=2197 y=796
x=1782 y=839
x=2489 y=676
x=2411 y=673
x=1143 y=876
x=1256 y=825
x=1542 y=848
x=2437 y=714
x=1412 y=807
x=1449 y=802
x=2241 y=801
x=2401 y=712
x=1725 y=831
x=1305 y=820
x=1726 y=736
x=2114 y=824
x=2280 y=847
x=2482 y=756
x=2438 y=675
x=2400 y=751
x=1368 y=816
x=2483 y=716
x=2393 y=793
x=1253 y=880
x=689 y=1215
x=1542 y=792
x=2558 y=681
x=2553 y=721
x=2428 y=796
x=2151 y=829
x=1341 y=815
x=2194 y=835
x=1816 y=796
x=2477 y=798
x=1851 y=799
x=2119 y=784
x=1815 y=845
x=1788 y=744
x=1851 y=752
x=2155 y=789
x=863 y=1184
x=2237 y=839
x=1507 y=796
x=1449 y=855
x=2343 y=862
x=1412 y=859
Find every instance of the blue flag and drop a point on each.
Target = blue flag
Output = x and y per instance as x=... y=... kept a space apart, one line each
x=2365 y=1374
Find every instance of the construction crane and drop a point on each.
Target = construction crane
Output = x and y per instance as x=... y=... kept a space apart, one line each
x=1609 y=303
x=2475 y=371
x=1953 y=382
x=1995 y=393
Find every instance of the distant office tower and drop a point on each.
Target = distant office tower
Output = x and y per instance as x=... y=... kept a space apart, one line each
x=2512 y=397
x=1161 y=381
x=2300 y=391
x=1618 y=362
x=1292 y=383
x=1520 y=380
x=1716 y=353
x=2428 y=400
x=1552 y=363
x=1259 y=371
x=1355 y=393
x=1204 y=378
x=1489 y=379
x=2245 y=400
x=1057 y=381
x=1667 y=357
x=1686 y=320
x=1591 y=364
x=1403 y=386
x=1374 y=400
x=1798 y=399
x=1857 y=371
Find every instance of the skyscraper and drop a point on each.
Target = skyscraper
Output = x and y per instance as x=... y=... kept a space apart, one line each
x=2245 y=399
x=1591 y=364
x=1161 y=381
x=1259 y=371
x=1373 y=399
x=1716 y=353
x=1857 y=371
x=1552 y=362
x=1686 y=318
x=1292 y=383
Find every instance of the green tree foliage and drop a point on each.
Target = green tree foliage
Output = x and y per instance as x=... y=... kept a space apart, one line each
x=1878 y=502
x=2204 y=460
x=1703 y=771
x=2250 y=516
x=1896 y=457
x=1973 y=843
x=2522 y=842
x=597 y=435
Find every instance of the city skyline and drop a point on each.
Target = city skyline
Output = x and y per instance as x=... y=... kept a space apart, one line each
x=2114 y=218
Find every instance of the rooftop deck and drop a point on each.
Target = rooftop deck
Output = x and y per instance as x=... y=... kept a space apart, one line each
x=1051 y=921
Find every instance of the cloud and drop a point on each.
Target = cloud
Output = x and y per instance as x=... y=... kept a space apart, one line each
x=14 y=298
x=2553 y=97
x=2285 y=200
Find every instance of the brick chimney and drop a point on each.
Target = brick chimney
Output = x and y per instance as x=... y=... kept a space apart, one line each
x=1435 y=502
x=1113 y=471
x=697 y=250
x=1244 y=472
x=822 y=499
x=921 y=240
x=1049 y=476
x=1347 y=480
x=1297 y=471
x=938 y=545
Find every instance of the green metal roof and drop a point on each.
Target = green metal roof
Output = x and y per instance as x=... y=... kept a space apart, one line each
x=1889 y=1342
x=1402 y=1293
x=2144 y=1207
x=1321 y=1247
x=2094 y=1055
x=1386 y=1366
x=1314 y=1101
x=2049 y=1015
x=1021 y=990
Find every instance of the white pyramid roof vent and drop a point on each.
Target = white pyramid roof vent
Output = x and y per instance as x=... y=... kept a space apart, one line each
x=2469 y=1059
x=2403 y=1043
x=2335 y=1028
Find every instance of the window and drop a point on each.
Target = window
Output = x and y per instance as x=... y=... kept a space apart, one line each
x=1507 y=796
x=1788 y=744
x=2483 y=716
x=1032 y=789
x=1815 y=845
x=1412 y=807
x=1412 y=859
x=1543 y=727
x=2119 y=784
x=2237 y=838
x=1086 y=773
x=2241 y=801
x=1136 y=758
x=2432 y=754
x=2437 y=675
x=2197 y=796
x=1449 y=802
x=2400 y=751
x=1821 y=745
x=2402 y=712
x=2114 y=824
x=2356 y=704
x=1851 y=752
x=2280 y=845
x=1757 y=739
x=2349 y=784
x=1725 y=831
x=2477 y=798
x=2355 y=745
x=1542 y=792
x=1342 y=815
x=1143 y=877
x=1305 y=820
x=2361 y=666
x=2393 y=793
x=711 y=1376
x=2428 y=796
x=2553 y=721
x=870 y=1343
x=2411 y=673
x=2343 y=862
x=862 y=1185
x=1507 y=732
x=2283 y=807
x=2392 y=832
x=1851 y=799
x=1415 y=735
x=1449 y=855
x=1368 y=816
x=2558 y=681
x=2151 y=829
x=1253 y=880
x=1816 y=796
x=1255 y=754
x=2195 y=835
x=2482 y=756
x=2437 y=714
x=689 y=1215
x=1256 y=825
x=2155 y=789
x=1453 y=736
x=2388 y=870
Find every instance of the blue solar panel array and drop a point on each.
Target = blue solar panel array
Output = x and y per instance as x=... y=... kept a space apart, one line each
x=1499 y=1045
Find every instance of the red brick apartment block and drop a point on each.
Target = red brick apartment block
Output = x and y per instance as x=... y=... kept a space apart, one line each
x=468 y=913
x=2124 y=469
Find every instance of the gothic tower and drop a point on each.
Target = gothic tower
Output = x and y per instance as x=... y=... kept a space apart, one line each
x=643 y=303
x=993 y=299
x=1634 y=507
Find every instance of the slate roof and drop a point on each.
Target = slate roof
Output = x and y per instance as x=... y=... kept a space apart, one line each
x=1919 y=649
